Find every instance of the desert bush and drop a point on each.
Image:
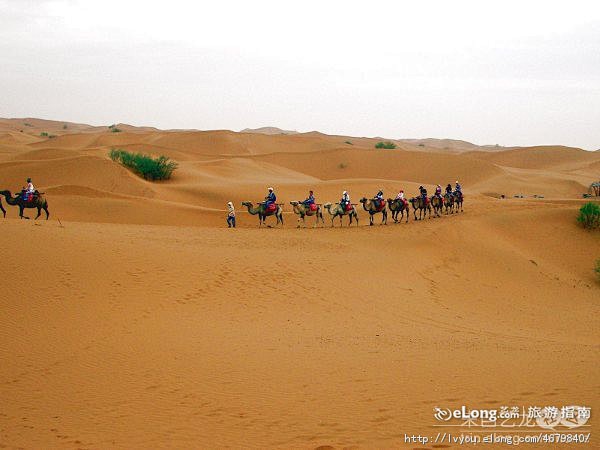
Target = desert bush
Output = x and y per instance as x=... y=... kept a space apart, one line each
x=421 y=144
x=44 y=134
x=348 y=142
x=159 y=168
x=597 y=269
x=113 y=128
x=342 y=165
x=589 y=215
x=386 y=144
x=65 y=126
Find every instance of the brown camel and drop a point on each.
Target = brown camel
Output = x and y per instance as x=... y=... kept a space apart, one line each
x=458 y=200
x=437 y=204
x=449 y=203
x=422 y=206
x=260 y=209
x=337 y=210
x=398 y=206
x=372 y=207
x=303 y=211
x=38 y=202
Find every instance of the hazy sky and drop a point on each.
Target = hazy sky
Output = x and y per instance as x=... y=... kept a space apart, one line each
x=507 y=72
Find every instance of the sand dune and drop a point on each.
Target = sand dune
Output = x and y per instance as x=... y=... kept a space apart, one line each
x=139 y=321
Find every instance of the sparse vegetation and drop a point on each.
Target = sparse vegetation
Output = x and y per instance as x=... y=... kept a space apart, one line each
x=113 y=129
x=597 y=269
x=27 y=124
x=387 y=144
x=589 y=215
x=65 y=126
x=44 y=134
x=348 y=142
x=342 y=165
x=160 y=168
x=421 y=144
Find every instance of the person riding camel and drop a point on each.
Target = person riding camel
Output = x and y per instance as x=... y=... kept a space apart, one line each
x=423 y=192
x=270 y=199
x=449 y=189
x=400 y=196
x=458 y=190
x=379 y=200
x=29 y=191
x=310 y=200
x=345 y=200
x=438 y=191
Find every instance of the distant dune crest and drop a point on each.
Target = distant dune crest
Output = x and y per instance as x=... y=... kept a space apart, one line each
x=268 y=130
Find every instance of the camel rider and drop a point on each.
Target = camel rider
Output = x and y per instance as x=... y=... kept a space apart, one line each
x=345 y=200
x=379 y=200
x=423 y=192
x=438 y=191
x=400 y=196
x=458 y=190
x=449 y=189
x=28 y=191
x=310 y=200
x=270 y=198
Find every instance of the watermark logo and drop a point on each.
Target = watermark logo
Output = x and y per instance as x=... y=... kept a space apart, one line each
x=547 y=417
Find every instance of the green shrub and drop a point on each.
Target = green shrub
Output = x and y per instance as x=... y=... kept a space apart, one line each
x=44 y=134
x=65 y=126
x=386 y=144
x=597 y=269
x=342 y=165
x=160 y=168
x=421 y=144
x=348 y=142
x=589 y=215
x=113 y=128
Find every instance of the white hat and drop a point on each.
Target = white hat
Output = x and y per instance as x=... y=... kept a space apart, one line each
x=344 y=192
x=270 y=189
x=230 y=204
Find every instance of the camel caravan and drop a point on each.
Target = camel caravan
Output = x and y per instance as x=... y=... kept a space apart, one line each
x=28 y=198
x=449 y=203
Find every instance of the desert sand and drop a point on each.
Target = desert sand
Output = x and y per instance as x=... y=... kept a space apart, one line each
x=140 y=321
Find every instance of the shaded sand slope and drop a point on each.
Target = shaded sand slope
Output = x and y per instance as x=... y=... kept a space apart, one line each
x=140 y=336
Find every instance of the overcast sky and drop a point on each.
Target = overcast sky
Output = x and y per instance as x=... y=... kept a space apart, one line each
x=507 y=72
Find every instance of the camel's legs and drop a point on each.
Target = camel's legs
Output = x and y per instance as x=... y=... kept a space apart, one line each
x=39 y=213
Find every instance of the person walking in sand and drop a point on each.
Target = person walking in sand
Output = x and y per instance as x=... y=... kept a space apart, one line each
x=230 y=215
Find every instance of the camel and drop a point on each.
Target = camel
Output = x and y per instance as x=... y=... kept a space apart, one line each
x=303 y=211
x=449 y=203
x=370 y=206
x=438 y=204
x=398 y=206
x=2 y=209
x=419 y=203
x=458 y=200
x=260 y=209
x=38 y=202
x=337 y=210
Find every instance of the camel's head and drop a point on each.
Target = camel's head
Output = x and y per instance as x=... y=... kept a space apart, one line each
x=363 y=200
x=246 y=203
x=294 y=203
x=327 y=205
x=389 y=200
